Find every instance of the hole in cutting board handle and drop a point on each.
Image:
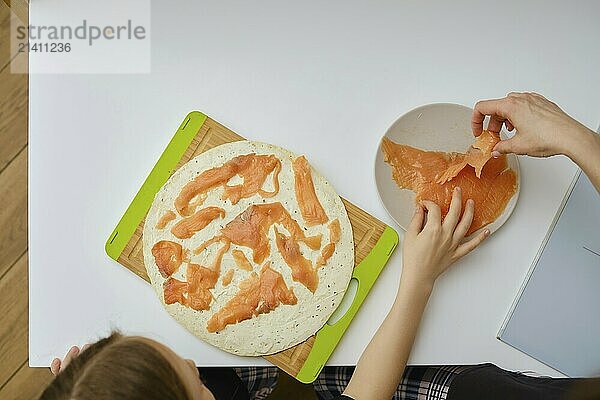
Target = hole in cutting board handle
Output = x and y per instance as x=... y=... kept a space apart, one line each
x=112 y=239
x=346 y=302
x=185 y=123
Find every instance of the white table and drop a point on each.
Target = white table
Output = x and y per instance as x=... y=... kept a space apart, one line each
x=321 y=79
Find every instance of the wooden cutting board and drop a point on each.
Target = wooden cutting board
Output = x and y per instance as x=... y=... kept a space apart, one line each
x=374 y=242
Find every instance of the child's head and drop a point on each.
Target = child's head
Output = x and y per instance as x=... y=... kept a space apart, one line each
x=127 y=367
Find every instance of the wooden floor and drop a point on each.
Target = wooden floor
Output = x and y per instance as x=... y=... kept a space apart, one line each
x=17 y=380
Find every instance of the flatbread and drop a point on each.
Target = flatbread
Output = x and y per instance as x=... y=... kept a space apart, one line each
x=287 y=325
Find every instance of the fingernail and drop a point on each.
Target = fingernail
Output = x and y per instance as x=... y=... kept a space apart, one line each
x=495 y=154
x=457 y=188
x=470 y=201
x=486 y=232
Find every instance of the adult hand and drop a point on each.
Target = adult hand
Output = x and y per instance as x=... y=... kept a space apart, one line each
x=542 y=128
x=430 y=249
x=58 y=365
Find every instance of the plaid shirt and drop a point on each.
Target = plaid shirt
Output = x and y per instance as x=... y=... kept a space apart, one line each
x=261 y=381
x=483 y=381
x=418 y=383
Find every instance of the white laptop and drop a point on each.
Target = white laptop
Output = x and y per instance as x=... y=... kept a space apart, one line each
x=556 y=315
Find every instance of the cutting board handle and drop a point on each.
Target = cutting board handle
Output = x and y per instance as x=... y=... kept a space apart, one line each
x=330 y=335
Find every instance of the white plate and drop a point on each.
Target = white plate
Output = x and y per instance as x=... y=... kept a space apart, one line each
x=440 y=127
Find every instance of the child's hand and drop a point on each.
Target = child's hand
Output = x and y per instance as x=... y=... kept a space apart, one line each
x=58 y=365
x=429 y=250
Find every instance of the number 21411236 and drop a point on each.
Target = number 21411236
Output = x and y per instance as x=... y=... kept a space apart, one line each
x=44 y=47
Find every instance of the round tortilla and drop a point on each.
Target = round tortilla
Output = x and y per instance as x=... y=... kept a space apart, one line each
x=287 y=325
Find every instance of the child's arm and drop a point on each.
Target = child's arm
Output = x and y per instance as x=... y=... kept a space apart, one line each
x=428 y=251
x=380 y=368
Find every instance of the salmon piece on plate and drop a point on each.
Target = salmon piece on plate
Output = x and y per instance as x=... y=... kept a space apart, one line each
x=433 y=175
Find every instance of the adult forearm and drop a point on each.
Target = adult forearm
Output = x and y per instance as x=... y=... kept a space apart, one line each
x=381 y=365
x=584 y=150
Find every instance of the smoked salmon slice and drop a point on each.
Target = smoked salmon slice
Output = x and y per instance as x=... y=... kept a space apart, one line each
x=240 y=260
x=219 y=257
x=174 y=290
x=310 y=207
x=476 y=156
x=302 y=269
x=259 y=294
x=200 y=280
x=187 y=227
x=252 y=168
x=420 y=171
x=227 y=277
x=165 y=219
x=251 y=227
x=168 y=256
x=203 y=246
x=335 y=232
x=254 y=177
